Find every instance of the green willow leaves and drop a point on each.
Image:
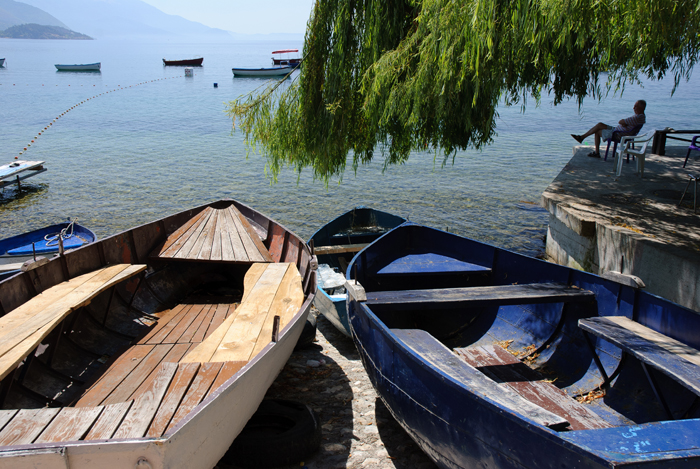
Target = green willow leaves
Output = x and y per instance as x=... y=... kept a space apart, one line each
x=399 y=75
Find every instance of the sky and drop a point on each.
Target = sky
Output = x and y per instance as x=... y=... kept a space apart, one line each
x=242 y=16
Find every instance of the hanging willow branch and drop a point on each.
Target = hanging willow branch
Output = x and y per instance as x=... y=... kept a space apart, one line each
x=400 y=75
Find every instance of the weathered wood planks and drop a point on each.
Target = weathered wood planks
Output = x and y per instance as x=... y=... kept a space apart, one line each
x=23 y=328
x=673 y=358
x=437 y=355
x=481 y=296
x=508 y=371
x=223 y=235
x=270 y=290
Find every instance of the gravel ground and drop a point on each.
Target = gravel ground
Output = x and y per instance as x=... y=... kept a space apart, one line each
x=358 y=430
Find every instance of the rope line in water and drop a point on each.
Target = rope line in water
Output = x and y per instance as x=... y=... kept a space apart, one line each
x=119 y=88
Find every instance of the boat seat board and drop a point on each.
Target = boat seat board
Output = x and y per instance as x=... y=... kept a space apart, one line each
x=222 y=235
x=339 y=248
x=437 y=355
x=430 y=263
x=500 y=295
x=673 y=358
x=269 y=290
x=505 y=369
x=23 y=329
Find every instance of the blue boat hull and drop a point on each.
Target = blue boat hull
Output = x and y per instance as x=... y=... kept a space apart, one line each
x=359 y=225
x=459 y=426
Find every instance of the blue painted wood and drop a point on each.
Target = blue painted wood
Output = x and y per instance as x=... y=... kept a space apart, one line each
x=21 y=245
x=357 y=226
x=460 y=425
x=430 y=263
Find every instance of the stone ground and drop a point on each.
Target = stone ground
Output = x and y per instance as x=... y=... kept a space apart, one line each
x=357 y=429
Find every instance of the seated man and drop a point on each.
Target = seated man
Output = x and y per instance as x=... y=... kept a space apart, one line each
x=605 y=131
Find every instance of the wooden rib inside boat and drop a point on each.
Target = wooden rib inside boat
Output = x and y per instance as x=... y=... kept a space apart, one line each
x=170 y=331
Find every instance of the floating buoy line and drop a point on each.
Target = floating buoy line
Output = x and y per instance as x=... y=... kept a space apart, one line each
x=48 y=126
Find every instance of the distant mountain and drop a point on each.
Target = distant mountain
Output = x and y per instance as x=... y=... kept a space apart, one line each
x=126 y=19
x=40 y=31
x=13 y=13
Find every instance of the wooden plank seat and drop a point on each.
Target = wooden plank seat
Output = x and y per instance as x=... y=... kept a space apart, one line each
x=269 y=290
x=430 y=264
x=671 y=357
x=215 y=235
x=23 y=329
x=339 y=248
x=481 y=296
x=506 y=370
x=442 y=358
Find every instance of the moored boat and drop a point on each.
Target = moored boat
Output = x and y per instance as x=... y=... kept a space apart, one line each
x=47 y=241
x=493 y=359
x=335 y=244
x=189 y=62
x=263 y=72
x=284 y=59
x=152 y=347
x=79 y=67
x=2 y=62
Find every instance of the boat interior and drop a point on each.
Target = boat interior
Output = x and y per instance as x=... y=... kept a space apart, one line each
x=163 y=315
x=516 y=319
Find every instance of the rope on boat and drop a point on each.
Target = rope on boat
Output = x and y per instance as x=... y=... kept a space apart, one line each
x=119 y=88
x=52 y=239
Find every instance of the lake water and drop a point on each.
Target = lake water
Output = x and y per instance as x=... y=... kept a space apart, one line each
x=160 y=142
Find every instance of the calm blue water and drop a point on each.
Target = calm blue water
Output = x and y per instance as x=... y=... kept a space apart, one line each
x=158 y=143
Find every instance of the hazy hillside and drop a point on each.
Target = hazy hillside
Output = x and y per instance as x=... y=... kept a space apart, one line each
x=13 y=13
x=125 y=19
x=40 y=31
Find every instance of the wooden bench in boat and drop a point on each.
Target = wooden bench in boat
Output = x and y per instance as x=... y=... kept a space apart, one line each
x=150 y=388
x=339 y=248
x=671 y=357
x=438 y=355
x=506 y=370
x=23 y=329
x=215 y=235
x=430 y=264
x=481 y=296
x=270 y=290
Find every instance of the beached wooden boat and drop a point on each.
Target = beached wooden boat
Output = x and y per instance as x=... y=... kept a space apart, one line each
x=79 y=67
x=47 y=242
x=263 y=72
x=493 y=359
x=188 y=62
x=335 y=244
x=153 y=347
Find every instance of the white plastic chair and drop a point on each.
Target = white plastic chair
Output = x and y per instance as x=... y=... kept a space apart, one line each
x=625 y=148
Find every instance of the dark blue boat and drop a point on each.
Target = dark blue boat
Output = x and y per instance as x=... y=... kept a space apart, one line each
x=335 y=244
x=42 y=242
x=493 y=359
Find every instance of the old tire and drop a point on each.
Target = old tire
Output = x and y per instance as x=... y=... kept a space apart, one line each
x=280 y=433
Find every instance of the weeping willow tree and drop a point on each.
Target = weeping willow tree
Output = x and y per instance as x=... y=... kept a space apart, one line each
x=397 y=75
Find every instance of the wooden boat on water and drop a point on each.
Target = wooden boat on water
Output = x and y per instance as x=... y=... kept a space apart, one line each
x=493 y=359
x=47 y=241
x=280 y=71
x=284 y=59
x=188 y=62
x=79 y=67
x=335 y=244
x=2 y=62
x=152 y=347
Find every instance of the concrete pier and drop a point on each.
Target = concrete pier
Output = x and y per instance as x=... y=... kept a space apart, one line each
x=631 y=225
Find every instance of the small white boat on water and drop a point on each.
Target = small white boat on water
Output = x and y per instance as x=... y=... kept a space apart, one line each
x=79 y=67
x=263 y=72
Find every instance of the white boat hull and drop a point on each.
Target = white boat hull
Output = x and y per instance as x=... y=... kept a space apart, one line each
x=199 y=441
x=79 y=67
x=262 y=72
